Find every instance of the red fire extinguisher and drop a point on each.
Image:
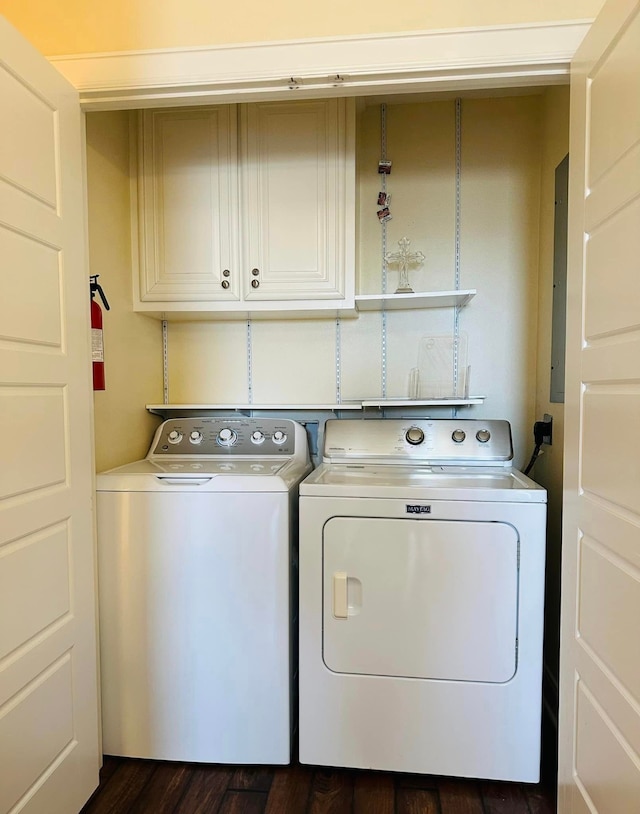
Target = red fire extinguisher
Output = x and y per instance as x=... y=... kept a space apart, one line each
x=97 y=344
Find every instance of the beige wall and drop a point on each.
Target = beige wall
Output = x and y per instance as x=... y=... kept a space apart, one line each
x=548 y=469
x=132 y=343
x=499 y=214
x=78 y=26
x=294 y=362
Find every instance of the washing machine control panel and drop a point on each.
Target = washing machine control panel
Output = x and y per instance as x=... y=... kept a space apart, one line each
x=225 y=436
x=453 y=441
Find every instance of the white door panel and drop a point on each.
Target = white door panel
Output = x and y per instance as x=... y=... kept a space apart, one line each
x=609 y=590
x=611 y=445
x=611 y=302
x=599 y=761
x=30 y=306
x=35 y=171
x=423 y=599
x=49 y=751
x=34 y=584
x=34 y=453
x=28 y=745
x=614 y=97
x=605 y=767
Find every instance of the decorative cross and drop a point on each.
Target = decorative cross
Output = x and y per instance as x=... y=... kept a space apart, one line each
x=404 y=259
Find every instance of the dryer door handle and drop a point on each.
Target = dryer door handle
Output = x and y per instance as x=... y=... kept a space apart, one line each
x=340 y=601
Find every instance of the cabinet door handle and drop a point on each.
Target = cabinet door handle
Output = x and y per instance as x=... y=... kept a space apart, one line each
x=255 y=283
x=226 y=273
x=255 y=272
x=225 y=284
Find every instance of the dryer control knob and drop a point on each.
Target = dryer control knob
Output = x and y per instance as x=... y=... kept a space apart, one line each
x=414 y=435
x=279 y=437
x=196 y=437
x=458 y=436
x=483 y=436
x=257 y=437
x=227 y=437
x=174 y=437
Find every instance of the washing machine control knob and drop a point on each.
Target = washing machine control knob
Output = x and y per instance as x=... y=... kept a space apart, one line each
x=227 y=437
x=483 y=436
x=257 y=437
x=279 y=437
x=414 y=435
x=196 y=437
x=174 y=437
x=458 y=436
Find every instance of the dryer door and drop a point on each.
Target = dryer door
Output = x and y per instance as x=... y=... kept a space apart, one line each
x=420 y=598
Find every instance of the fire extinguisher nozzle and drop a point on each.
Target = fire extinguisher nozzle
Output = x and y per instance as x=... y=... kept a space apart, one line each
x=95 y=287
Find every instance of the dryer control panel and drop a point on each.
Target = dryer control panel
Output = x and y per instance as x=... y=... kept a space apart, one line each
x=256 y=437
x=453 y=441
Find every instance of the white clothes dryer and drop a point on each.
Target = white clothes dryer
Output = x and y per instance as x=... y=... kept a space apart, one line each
x=197 y=555
x=421 y=601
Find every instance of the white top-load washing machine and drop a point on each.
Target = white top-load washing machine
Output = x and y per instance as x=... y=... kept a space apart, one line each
x=197 y=551
x=421 y=601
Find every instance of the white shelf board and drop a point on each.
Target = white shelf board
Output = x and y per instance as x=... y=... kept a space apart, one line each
x=424 y=402
x=177 y=408
x=423 y=299
x=163 y=409
x=195 y=312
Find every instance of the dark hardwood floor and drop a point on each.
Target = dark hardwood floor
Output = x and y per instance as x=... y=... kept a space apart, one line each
x=150 y=787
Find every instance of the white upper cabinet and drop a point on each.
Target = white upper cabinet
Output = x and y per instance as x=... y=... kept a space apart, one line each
x=187 y=212
x=296 y=188
x=259 y=220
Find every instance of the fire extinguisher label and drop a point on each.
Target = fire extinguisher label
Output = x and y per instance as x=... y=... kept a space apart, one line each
x=97 y=347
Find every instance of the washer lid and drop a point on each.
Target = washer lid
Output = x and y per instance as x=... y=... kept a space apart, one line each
x=204 y=475
x=486 y=484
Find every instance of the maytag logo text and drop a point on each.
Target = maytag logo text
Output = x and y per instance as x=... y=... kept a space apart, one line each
x=413 y=509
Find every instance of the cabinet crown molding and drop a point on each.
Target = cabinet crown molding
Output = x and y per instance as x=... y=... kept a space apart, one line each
x=500 y=56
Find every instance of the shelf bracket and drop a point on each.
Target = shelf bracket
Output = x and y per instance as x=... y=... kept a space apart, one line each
x=456 y=310
x=249 y=363
x=165 y=361
x=383 y=225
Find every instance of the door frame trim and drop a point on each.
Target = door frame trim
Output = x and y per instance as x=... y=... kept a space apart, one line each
x=415 y=61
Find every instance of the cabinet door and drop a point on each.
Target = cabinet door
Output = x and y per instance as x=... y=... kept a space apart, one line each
x=298 y=209
x=187 y=205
